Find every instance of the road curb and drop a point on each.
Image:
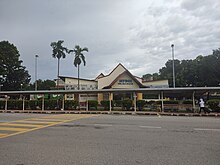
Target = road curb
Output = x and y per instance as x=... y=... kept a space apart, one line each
x=113 y=113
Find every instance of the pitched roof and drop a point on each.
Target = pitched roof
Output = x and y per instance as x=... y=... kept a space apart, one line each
x=130 y=75
x=113 y=70
x=63 y=78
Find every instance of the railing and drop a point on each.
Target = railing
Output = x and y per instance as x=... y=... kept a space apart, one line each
x=161 y=92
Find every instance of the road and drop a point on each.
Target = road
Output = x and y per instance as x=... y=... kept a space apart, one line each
x=109 y=140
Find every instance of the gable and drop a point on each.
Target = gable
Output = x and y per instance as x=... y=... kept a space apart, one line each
x=124 y=81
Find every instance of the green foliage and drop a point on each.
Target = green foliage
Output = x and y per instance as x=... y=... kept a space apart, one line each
x=15 y=104
x=2 y=104
x=35 y=104
x=13 y=74
x=42 y=85
x=127 y=104
x=93 y=104
x=118 y=103
x=214 y=105
x=187 y=102
x=202 y=71
x=79 y=57
x=52 y=104
x=59 y=51
x=171 y=102
x=106 y=104
x=71 y=104
x=140 y=104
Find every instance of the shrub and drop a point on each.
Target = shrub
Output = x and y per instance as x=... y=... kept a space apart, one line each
x=93 y=104
x=127 y=104
x=140 y=104
x=171 y=102
x=118 y=103
x=2 y=104
x=187 y=102
x=52 y=104
x=15 y=104
x=35 y=104
x=71 y=104
x=214 y=105
x=105 y=104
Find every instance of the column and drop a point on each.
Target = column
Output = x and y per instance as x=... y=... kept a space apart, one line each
x=162 y=106
x=43 y=103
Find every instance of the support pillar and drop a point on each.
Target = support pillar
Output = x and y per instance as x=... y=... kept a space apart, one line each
x=23 y=100
x=135 y=102
x=110 y=102
x=162 y=105
x=87 y=103
x=63 y=103
x=6 y=102
x=193 y=101
x=43 y=103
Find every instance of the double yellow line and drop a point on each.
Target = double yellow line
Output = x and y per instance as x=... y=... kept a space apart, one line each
x=31 y=124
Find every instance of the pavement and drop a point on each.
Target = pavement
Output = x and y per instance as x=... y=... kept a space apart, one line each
x=150 y=113
x=87 y=139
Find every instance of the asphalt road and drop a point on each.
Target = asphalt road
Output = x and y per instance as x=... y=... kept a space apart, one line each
x=115 y=140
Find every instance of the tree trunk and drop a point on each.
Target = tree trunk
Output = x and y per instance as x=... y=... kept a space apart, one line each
x=78 y=76
x=58 y=73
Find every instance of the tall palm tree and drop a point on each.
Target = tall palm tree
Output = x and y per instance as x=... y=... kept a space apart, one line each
x=58 y=52
x=79 y=57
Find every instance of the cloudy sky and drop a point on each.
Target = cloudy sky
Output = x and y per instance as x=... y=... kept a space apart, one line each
x=136 y=33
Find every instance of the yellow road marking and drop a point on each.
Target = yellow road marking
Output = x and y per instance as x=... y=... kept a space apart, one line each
x=23 y=125
x=12 y=129
x=34 y=122
x=2 y=135
x=76 y=117
x=47 y=119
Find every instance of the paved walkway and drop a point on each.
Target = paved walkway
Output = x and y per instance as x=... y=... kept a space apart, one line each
x=112 y=112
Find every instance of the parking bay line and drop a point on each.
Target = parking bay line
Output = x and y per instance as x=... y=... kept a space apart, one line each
x=43 y=126
x=145 y=126
x=206 y=129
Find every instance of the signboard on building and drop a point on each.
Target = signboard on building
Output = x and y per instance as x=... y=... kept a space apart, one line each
x=125 y=82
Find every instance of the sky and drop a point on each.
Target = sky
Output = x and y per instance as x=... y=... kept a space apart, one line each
x=136 y=33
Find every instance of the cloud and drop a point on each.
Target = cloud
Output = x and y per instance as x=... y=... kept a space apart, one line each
x=137 y=34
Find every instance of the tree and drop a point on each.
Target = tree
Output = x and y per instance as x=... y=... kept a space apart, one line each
x=58 y=52
x=79 y=57
x=13 y=76
x=201 y=71
x=43 y=85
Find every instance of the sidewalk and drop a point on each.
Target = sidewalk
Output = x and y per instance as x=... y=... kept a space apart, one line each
x=148 y=113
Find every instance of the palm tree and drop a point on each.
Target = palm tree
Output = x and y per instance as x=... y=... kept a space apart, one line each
x=79 y=57
x=58 y=52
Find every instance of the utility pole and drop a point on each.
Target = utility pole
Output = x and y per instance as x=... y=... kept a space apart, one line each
x=36 y=56
x=172 y=47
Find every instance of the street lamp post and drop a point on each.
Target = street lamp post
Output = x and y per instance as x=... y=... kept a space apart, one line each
x=36 y=56
x=172 y=47
x=21 y=87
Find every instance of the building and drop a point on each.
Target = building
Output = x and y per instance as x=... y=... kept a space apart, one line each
x=118 y=78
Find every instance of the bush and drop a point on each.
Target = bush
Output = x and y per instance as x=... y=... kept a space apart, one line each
x=105 y=104
x=15 y=104
x=52 y=104
x=2 y=104
x=187 y=102
x=35 y=104
x=214 y=105
x=140 y=104
x=93 y=104
x=118 y=103
x=71 y=104
x=127 y=104
x=171 y=102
